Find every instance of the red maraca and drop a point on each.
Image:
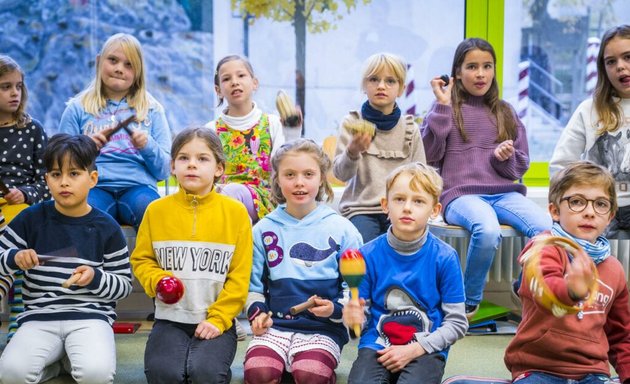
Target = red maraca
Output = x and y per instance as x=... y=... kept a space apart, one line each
x=352 y=268
x=170 y=289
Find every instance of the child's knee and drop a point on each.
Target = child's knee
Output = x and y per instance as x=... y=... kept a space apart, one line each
x=487 y=236
x=316 y=366
x=18 y=370
x=263 y=365
x=94 y=372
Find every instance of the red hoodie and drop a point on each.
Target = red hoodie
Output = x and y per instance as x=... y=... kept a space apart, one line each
x=567 y=346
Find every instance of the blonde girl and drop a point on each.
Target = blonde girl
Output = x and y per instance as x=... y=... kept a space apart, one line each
x=599 y=129
x=133 y=160
x=364 y=160
x=207 y=244
x=296 y=257
x=480 y=147
x=249 y=136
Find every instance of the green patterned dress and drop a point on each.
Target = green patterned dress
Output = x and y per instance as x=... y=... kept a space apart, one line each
x=249 y=160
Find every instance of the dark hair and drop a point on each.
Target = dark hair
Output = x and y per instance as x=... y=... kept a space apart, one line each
x=80 y=149
x=582 y=173
x=502 y=111
x=206 y=135
x=8 y=65
x=609 y=112
x=309 y=147
x=229 y=58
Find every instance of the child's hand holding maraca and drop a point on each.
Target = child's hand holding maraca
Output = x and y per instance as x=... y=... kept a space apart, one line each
x=169 y=289
x=353 y=312
x=352 y=268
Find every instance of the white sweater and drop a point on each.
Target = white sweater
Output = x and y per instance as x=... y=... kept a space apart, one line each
x=579 y=141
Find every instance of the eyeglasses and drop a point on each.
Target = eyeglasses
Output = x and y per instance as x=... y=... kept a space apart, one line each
x=578 y=203
x=388 y=81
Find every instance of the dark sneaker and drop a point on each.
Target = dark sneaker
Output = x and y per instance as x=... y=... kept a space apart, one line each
x=471 y=310
x=514 y=287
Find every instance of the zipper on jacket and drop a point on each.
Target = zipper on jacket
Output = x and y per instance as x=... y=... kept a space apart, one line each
x=194 y=203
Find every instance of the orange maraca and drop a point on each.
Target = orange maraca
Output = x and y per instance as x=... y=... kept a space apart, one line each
x=352 y=268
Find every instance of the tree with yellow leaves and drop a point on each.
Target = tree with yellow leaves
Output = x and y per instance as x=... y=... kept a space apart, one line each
x=316 y=15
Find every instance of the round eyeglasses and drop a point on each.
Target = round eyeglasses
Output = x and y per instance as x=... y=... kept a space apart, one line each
x=578 y=203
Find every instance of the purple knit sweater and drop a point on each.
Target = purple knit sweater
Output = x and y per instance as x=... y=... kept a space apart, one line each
x=470 y=168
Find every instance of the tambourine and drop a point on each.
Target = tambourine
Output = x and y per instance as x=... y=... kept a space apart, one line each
x=540 y=290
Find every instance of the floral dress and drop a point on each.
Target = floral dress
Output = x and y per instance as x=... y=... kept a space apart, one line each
x=248 y=153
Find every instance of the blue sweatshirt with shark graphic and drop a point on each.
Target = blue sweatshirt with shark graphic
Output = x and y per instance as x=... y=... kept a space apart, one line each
x=295 y=259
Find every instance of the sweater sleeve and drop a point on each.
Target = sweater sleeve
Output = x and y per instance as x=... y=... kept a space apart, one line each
x=572 y=142
x=157 y=152
x=232 y=297
x=256 y=296
x=453 y=328
x=344 y=166
x=436 y=127
x=145 y=265
x=36 y=190
x=417 y=147
x=553 y=262
x=277 y=133
x=113 y=281
x=70 y=119
x=515 y=167
x=617 y=330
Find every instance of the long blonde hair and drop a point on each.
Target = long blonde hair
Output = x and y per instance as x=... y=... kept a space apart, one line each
x=8 y=65
x=506 y=123
x=93 y=97
x=609 y=111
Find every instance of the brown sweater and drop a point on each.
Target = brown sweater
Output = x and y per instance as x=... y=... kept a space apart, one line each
x=366 y=175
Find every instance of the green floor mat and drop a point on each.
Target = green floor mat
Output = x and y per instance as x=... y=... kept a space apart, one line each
x=489 y=311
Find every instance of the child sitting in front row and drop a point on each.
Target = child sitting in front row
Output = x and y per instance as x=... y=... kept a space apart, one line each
x=413 y=287
x=296 y=256
x=547 y=349
x=207 y=243
x=65 y=326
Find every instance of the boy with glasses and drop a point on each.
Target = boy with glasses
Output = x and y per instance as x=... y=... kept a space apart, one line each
x=575 y=347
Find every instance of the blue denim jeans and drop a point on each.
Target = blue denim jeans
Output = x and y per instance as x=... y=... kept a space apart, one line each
x=546 y=378
x=370 y=226
x=174 y=355
x=482 y=216
x=126 y=205
x=424 y=369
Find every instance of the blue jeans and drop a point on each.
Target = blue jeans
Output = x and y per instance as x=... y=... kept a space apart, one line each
x=546 y=378
x=424 y=369
x=482 y=215
x=370 y=226
x=125 y=205
x=174 y=355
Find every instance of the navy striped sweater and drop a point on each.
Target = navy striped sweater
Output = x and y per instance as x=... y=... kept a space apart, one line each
x=95 y=240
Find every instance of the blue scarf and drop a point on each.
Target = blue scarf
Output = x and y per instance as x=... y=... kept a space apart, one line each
x=382 y=121
x=598 y=251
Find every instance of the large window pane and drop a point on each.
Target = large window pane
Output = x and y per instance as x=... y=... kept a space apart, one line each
x=549 y=40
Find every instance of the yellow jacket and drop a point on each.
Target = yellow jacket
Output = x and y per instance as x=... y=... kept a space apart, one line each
x=206 y=242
